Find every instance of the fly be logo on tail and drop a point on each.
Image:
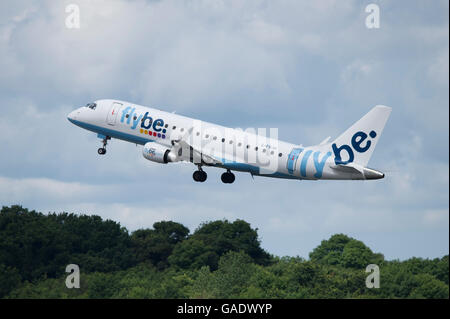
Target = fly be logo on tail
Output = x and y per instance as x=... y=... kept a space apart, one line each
x=357 y=142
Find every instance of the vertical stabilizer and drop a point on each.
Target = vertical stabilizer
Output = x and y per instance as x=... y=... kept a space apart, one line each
x=357 y=143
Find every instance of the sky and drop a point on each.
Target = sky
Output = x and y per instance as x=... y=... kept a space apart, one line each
x=308 y=68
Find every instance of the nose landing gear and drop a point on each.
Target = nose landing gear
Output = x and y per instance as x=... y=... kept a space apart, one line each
x=227 y=177
x=102 y=150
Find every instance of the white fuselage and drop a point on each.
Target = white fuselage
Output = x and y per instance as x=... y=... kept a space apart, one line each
x=233 y=149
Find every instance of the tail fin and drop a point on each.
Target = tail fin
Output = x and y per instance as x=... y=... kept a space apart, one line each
x=360 y=139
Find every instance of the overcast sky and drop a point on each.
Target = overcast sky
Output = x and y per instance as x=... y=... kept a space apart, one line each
x=308 y=68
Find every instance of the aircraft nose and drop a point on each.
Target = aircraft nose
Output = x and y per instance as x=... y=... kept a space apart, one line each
x=72 y=116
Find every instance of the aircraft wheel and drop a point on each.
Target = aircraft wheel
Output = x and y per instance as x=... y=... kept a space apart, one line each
x=227 y=178
x=101 y=151
x=199 y=176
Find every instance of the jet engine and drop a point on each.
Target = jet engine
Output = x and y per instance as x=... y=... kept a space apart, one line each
x=158 y=153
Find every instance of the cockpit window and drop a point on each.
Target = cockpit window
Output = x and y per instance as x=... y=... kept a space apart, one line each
x=91 y=105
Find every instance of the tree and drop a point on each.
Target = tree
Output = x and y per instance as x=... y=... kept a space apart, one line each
x=233 y=274
x=221 y=259
x=39 y=245
x=344 y=251
x=193 y=254
x=429 y=287
x=356 y=255
x=9 y=279
x=330 y=251
x=214 y=239
x=156 y=245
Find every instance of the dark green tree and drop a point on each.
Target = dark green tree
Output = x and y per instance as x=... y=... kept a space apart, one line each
x=429 y=287
x=212 y=240
x=193 y=254
x=156 y=245
x=344 y=251
x=9 y=279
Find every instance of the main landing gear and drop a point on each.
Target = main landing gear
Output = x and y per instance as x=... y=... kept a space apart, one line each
x=200 y=175
x=102 y=150
x=228 y=177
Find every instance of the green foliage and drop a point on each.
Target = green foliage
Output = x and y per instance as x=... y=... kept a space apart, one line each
x=156 y=245
x=341 y=250
x=193 y=254
x=356 y=255
x=9 y=279
x=214 y=239
x=40 y=246
x=219 y=260
x=235 y=269
x=203 y=285
x=429 y=287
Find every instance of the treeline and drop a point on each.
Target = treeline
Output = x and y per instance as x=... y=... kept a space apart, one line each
x=220 y=259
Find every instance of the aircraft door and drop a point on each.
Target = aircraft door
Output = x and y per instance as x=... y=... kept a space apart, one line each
x=112 y=114
x=292 y=159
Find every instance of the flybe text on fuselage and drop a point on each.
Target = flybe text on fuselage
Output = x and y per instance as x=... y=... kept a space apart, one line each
x=130 y=117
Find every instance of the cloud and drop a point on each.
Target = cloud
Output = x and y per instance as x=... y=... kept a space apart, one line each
x=436 y=217
x=438 y=70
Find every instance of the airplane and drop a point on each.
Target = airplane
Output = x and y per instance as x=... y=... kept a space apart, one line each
x=170 y=138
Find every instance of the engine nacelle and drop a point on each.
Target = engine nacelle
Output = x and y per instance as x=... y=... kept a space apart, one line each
x=157 y=153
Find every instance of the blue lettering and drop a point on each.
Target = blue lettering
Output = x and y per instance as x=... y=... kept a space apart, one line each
x=304 y=162
x=124 y=113
x=131 y=114
x=357 y=139
x=135 y=122
x=157 y=124
x=319 y=165
x=337 y=154
x=146 y=119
